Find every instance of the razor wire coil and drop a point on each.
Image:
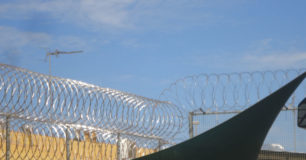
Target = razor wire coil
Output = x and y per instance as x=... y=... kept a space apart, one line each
x=47 y=117
x=210 y=99
x=227 y=93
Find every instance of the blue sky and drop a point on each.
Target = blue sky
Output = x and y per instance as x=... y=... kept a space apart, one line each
x=141 y=46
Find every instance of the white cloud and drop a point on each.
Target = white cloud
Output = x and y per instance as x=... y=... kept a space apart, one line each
x=275 y=61
x=125 y=77
x=226 y=62
x=15 y=43
x=130 y=43
x=270 y=54
x=16 y=38
x=110 y=14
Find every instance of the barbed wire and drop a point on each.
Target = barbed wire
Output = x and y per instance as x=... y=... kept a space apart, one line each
x=47 y=117
x=221 y=93
x=220 y=96
x=64 y=116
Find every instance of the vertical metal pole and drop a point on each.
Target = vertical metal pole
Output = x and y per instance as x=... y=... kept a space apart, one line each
x=7 y=134
x=190 y=119
x=196 y=130
x=50 y=90
x=67 y=144
x=118 y=146
x=294 y=129
x=49 y=65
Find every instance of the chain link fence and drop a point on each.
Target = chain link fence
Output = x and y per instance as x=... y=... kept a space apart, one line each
x=208 y=100
x=46 y=117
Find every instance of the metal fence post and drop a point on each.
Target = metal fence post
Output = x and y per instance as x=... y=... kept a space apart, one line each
x=294 y=129
x=7 y=135
x=159 y=145
x=190 y=119
x=67 y=144
x=118 y=146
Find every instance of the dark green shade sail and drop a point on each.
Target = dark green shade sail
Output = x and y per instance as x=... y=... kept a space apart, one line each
x=239 y=138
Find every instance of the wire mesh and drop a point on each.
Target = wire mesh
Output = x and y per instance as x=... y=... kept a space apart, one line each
x=47 y=117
